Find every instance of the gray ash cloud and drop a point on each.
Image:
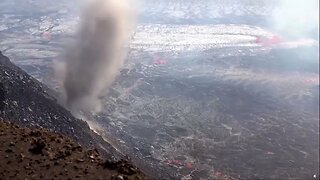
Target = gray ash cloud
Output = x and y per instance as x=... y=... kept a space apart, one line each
x=94 y=58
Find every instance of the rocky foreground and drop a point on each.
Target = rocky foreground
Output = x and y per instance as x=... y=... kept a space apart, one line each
x=40 y=154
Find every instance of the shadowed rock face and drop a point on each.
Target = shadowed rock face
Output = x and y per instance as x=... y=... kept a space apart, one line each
x=2 y=98
x=29 y=103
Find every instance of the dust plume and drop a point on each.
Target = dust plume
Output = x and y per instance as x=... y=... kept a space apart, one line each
x=296 y=18
x=94 y=58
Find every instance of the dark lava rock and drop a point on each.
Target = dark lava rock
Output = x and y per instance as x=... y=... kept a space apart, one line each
x=38 y=146
x=2 y=98
x=109 y=165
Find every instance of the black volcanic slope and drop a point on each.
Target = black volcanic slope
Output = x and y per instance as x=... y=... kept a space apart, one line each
x=29 y=103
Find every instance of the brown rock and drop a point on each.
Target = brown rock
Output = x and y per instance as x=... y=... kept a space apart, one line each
x=38 y=146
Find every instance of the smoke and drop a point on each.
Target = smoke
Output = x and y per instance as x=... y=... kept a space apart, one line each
x=296 y=18
x=94 y=58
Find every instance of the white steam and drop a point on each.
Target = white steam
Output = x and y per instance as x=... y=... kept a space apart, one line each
x=98 y=52
x=296 y=18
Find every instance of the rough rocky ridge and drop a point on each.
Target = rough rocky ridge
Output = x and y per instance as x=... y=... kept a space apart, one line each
x=39 y=154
